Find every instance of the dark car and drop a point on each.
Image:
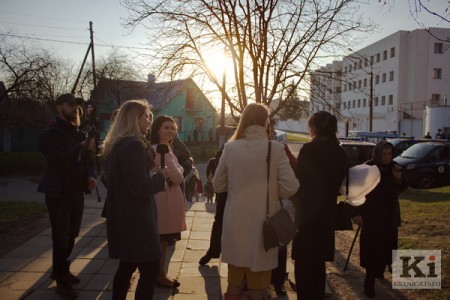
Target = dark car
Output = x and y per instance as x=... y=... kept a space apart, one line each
x=401 y=144
x=426 y=164
x=358 y=152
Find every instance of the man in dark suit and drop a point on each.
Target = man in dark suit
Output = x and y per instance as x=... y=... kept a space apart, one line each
x=69 y=174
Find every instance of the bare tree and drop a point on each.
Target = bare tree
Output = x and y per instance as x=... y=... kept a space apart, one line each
x=114 y=65
x=272 y=45
x=437 y=9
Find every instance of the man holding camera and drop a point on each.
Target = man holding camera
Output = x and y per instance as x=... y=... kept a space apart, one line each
x=68 y=176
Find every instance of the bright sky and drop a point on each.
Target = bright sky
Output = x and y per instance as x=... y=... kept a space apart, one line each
x=67 y=21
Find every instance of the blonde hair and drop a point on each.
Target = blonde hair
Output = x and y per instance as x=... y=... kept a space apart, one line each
x=253 y=114
x=125 y=124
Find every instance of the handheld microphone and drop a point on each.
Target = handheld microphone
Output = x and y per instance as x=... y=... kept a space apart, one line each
x=162 y=149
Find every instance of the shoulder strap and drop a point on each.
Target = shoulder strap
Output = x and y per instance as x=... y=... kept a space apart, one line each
x=268 y=175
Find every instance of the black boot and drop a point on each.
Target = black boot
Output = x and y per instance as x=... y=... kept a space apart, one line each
x=369 y=285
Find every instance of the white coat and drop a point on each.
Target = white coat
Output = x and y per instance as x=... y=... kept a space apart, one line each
x=242 y=173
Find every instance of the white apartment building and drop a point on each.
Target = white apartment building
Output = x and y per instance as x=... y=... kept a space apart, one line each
x=409 y=70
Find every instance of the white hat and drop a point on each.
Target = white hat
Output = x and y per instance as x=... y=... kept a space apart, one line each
x=362 y=180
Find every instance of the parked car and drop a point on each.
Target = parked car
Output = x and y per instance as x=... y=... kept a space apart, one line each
x=358 y=152
x=401 y=144
x=372 y=136
x=426 y=164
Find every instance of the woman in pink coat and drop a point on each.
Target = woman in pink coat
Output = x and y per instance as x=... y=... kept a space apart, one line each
x=169 y=203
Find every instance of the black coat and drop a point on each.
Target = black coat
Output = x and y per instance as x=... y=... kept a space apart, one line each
x=69 y=165
x=132 y=227
x=321 y=168
x=381 y=216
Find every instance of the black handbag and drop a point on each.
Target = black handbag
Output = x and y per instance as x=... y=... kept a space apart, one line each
x=342 y=217
x=279 y=229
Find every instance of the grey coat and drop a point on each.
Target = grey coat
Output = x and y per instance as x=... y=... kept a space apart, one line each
x=132 y=226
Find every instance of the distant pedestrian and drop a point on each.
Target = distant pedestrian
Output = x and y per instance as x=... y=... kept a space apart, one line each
x=68 y=176
x=195 y=135
x=439 y=135
x=427 y=136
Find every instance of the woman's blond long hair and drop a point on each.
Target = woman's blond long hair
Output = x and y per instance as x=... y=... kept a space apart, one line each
x=125 y=124
x=253 y=114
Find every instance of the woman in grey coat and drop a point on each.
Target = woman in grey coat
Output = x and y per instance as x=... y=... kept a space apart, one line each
x=131 y=212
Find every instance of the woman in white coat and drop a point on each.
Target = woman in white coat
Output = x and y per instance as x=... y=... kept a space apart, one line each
x=242 y=172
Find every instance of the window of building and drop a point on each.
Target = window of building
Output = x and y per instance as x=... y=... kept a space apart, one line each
x=371 y=60
x=377 y=79
x=392 y=51
x=345 y=87
x=435 y=98
x=391 y=100
x=338 y=89
x=376 y=101
x=179 y=121
x=350 y=68
x=338 y=105
x=359 y=84
x=366 y=62
x=345 y=69
x=355 y=65
x=391 y=76
x=190 y=101
x=360 y=64
x=364 y=102
x=365 y=82
x=378 y=57
x=383 y=100
x=438 y=48
x=354 y=85
x=383 y=77
x=384 y=54
x=359 y=102
x=353 y=103
x=437 y=73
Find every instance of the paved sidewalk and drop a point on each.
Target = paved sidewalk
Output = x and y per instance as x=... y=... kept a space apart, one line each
x=24 y=272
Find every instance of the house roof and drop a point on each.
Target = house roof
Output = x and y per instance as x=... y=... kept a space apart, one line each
x=158 y=94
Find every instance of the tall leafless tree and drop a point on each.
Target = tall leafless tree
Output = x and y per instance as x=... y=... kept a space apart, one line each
x=272 y=44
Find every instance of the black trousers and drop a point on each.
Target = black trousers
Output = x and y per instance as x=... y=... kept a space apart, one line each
x=65 y=219
x=310 y=280
x=279 y=273
x=215 y=242
x=148 y=272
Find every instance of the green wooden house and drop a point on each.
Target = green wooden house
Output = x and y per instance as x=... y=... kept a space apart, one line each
x=180 y=99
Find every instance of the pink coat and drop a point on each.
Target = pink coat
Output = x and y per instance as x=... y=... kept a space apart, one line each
x=170 y=203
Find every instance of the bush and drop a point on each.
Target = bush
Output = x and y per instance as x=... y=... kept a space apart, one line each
x=203 y=152
x=22 y=163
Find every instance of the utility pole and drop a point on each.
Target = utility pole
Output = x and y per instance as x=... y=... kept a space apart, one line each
x=93 y=56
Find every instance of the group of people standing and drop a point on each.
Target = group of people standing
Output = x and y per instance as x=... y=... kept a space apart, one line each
x=145 y=207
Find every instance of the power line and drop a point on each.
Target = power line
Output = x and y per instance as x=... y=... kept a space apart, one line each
x=41 y=26
x=41 y=17
x=69 y=42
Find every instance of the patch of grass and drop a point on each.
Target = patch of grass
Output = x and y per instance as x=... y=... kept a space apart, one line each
x=296 y=137
x=13 y=213
x=21 y=163
x=426 y=226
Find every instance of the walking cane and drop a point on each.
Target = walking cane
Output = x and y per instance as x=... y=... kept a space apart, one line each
x=351 y=248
